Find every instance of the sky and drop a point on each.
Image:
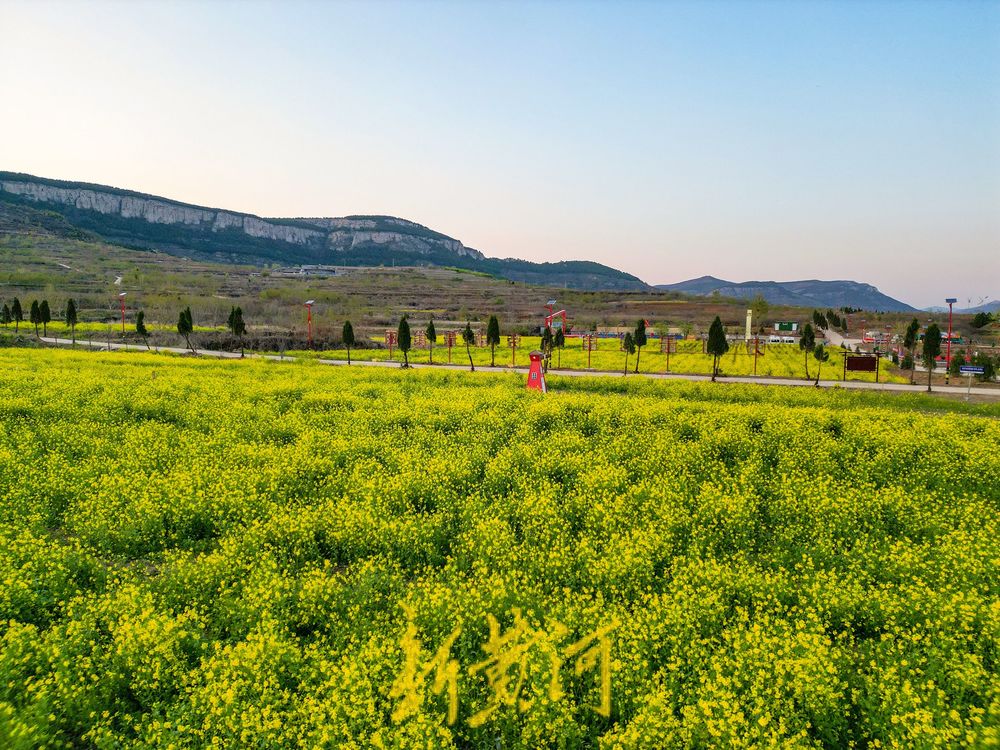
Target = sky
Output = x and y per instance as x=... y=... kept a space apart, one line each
x=743 y=140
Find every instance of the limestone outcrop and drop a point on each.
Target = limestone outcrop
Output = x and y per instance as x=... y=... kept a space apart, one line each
x=137 y=220
x=337 y=234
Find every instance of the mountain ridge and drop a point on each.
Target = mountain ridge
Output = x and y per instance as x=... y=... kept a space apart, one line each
x=144 y=221
x=986 y=307
x=803 y=293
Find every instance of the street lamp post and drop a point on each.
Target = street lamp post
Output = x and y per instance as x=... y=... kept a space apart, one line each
x=121 y=298
x=309 y=320
x=947 y=357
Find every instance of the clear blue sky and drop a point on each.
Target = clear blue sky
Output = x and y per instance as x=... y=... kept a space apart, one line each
x=745 y=140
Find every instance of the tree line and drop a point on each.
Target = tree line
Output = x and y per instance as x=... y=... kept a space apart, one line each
x=39 y=314
x=552 y=342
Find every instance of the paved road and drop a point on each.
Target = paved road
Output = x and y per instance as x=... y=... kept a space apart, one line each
x=837 y=339
x=850 y=384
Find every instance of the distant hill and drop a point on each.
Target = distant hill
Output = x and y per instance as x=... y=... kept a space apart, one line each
x=989 y=307
x=138 y=220
x=811 y=293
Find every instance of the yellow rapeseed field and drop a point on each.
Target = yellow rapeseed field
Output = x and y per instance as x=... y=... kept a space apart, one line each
x=287 y=555
x=775 y=360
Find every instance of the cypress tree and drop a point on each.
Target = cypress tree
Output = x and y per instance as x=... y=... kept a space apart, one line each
x=237 y=326
x=185 y=326
x=35 y=315
x=628 y=344
x=17 y=313
x=403 y=340
x=640 y=340
x=469 y=338
x=347 y=336
x=432 y=338
x=5 y=316
x=45 y=315
x=140 y=327
x=71 y=318
x=821 y=355
x=910 y=343
x=493 y=338
x=807 y=343
x=717 y=344
x=547 y=340
x=932 y=348
x=559 y=342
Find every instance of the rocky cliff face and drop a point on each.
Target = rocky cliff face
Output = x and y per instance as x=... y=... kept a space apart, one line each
x=337 y=234
x=132 y=219
x=158 y=211
x=353 y=232
x=344 y=240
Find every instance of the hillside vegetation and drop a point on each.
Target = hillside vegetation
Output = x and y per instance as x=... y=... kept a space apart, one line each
x=139 y=220
x=44 y=264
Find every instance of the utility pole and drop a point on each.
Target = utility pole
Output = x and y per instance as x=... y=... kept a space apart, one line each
x=309 y=320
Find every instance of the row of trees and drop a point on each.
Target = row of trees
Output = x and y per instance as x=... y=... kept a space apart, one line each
x=12 y=314
x=39 y=314
x=982 y=319
x=404 y=339
x=930 y=352
x=717 y=345
x=633 y=341
x=808 y=344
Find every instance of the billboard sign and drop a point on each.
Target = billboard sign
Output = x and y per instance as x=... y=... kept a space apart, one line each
x=861 y=363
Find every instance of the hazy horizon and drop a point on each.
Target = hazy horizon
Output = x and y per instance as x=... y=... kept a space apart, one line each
x=768 y=141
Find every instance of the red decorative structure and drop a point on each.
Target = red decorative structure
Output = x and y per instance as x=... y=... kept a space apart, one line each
x=536 y=378
x=550 y=318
